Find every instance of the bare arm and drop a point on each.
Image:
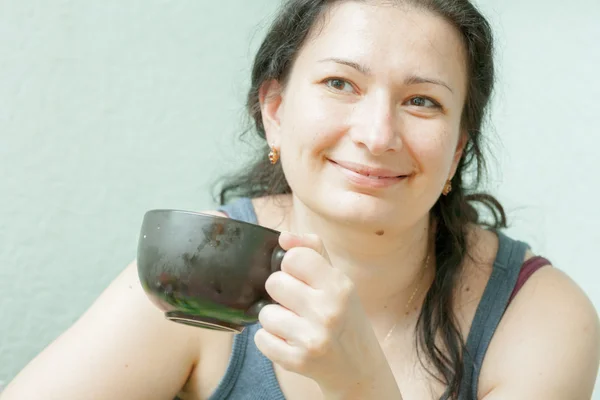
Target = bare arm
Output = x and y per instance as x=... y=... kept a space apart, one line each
x=547 y=345
x=121 y=348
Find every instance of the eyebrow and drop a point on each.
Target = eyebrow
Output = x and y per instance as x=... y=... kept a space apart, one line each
x=410 y=80
x=415 y=80
x=360 y=68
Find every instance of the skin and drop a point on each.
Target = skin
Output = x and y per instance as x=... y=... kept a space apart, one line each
x=356 y=252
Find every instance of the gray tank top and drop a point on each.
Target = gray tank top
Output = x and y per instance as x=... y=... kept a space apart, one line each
x=250 y=375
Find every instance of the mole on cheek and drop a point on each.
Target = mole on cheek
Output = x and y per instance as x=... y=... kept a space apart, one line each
x=379 y=233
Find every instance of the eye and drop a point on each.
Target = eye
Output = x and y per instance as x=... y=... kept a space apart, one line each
x=420 y=101
x=340 y=85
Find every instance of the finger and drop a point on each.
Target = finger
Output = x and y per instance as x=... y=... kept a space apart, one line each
x=288 y=240
x=276 y=349
x=283 y=323
x=290 y=292
x=307 y=266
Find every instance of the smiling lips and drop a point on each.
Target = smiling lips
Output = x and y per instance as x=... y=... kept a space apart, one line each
x=362 y=175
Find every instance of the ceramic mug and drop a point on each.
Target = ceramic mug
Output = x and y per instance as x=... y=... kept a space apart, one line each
x=205 y=270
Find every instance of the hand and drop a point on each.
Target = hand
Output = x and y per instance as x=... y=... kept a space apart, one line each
x=319 y=328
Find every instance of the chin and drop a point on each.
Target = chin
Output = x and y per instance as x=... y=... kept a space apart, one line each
x=353 y=207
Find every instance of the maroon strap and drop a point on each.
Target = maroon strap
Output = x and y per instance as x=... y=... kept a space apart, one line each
x=527 y=269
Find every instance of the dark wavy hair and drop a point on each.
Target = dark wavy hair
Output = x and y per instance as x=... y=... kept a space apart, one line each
x=453 y=213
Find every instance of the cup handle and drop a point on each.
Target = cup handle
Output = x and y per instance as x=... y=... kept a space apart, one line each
x=276 y=259
x=255 y=308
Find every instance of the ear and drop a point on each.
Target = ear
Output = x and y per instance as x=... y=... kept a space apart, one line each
x=458 y=152
x=270 y=97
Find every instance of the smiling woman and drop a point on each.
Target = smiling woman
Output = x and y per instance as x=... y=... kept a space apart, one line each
x=393 y=285
x=380 y=112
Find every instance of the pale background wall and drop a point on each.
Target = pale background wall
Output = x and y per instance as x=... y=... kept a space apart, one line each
x=111 y=108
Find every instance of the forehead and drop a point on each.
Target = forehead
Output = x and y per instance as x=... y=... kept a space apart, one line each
x=389 y=40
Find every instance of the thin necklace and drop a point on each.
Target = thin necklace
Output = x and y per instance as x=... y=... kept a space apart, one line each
x=410 y=299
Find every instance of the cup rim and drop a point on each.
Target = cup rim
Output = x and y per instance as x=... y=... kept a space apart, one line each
x=211 y=216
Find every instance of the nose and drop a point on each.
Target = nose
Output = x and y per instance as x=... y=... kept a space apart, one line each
x=377 y=126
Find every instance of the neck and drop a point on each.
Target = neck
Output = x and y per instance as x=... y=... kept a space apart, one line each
x=387 y=270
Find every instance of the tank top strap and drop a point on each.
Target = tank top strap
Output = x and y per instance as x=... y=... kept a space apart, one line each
x=249 y=375
x=491 y=308
x=241 y=210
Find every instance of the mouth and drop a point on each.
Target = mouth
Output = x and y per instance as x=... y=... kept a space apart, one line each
x=370 y=172
x=370 y=176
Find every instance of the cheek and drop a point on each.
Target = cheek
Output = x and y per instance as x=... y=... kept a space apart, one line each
x=432 y=144
x=313 y=125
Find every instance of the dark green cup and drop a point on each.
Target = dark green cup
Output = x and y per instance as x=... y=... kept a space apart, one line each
x=205 y=270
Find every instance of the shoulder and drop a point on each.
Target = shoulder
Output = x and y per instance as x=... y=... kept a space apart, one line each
x=111 y=350
x=547 y=344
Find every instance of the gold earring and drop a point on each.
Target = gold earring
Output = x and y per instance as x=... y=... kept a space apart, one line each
x=447 y=188
x=273 y=155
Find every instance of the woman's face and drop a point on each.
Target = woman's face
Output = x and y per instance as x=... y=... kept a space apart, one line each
x=368 y=123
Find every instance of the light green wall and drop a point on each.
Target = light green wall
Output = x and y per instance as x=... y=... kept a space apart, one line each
x=107 y=109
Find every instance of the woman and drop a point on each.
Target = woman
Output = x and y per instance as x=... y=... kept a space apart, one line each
x=392 y=288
